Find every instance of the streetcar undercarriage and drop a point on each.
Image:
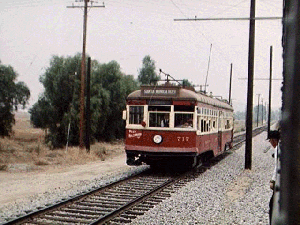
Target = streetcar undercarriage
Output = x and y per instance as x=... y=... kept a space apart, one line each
x=189 y=159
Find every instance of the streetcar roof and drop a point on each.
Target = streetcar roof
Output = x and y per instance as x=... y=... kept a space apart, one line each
x=181 y=94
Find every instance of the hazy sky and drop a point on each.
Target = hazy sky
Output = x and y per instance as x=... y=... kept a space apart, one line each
x=31 y=31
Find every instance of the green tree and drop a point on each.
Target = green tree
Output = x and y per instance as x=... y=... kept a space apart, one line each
x=60 y=101
x=58 y=82
x=41 y=114
x=129 y=83
x=113 y=86
x=12 y=95
x=147 y=74
x=186 y=83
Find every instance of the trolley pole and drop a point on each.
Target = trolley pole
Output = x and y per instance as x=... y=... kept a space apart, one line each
x=207 y=69
x=249 y=125
x=229 y=99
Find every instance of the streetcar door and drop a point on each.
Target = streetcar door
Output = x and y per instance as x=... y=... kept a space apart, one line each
x=219 y=141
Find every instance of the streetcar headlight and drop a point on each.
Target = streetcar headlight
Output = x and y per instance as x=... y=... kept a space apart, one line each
x=157 y=139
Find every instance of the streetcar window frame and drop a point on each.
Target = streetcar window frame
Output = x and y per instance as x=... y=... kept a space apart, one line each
x=159 y=116
x=184 y=108
x=183 y=120
x=227 y=120
x=207 y=120
x=136 y=114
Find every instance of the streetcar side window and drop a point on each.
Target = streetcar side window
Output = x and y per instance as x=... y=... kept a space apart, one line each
x=183 y=108
x=183 y=120
x=183 y=116
x=136 y=114
x=203 y=128
x=228 y=120
x=214 y=124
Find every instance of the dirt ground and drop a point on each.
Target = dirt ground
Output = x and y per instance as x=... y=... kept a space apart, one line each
x=28 y=167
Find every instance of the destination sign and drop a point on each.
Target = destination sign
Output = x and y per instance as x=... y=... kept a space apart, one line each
x=170 y=92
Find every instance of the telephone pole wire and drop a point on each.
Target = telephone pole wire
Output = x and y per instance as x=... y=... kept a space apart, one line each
x=230 y=18
x=83 y=70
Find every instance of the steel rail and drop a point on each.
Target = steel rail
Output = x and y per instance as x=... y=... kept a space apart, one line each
x=65 y=202
x=110 y=215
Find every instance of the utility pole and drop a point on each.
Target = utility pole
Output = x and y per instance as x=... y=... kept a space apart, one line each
x=249 y=124
x=82 y=79
x=88 y=108
x=270 y=90
x=262 y=111
x=265 y=115
x=83 y=70
x=270 y=79
x=248 y=149
x=257 y=110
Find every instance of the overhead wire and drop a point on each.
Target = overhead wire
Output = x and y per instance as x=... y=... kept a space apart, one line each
x=166 y=13
x=207 y=39
x=218 y=49
x=231 y=6
x=144 y=5
x=178 y=8
x=223 y=56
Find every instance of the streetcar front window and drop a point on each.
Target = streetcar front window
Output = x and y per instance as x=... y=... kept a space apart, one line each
x=136 y=114
x=159 y=116
x=159 y=119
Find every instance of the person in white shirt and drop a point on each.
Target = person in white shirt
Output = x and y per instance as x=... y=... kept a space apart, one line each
x=165 y=121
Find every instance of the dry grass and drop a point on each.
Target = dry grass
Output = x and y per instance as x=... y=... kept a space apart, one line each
x=26 y=146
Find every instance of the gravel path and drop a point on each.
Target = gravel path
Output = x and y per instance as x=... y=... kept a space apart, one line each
x=23 y=192
x=225 y=194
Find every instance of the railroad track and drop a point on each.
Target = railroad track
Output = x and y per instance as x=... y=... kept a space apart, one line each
x=122 y=201
x=241 y=138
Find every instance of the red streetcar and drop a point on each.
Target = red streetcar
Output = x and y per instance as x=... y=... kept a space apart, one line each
x=174 y=124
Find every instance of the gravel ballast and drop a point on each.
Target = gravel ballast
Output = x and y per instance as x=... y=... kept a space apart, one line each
x=224 y=194
x=65 y=185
